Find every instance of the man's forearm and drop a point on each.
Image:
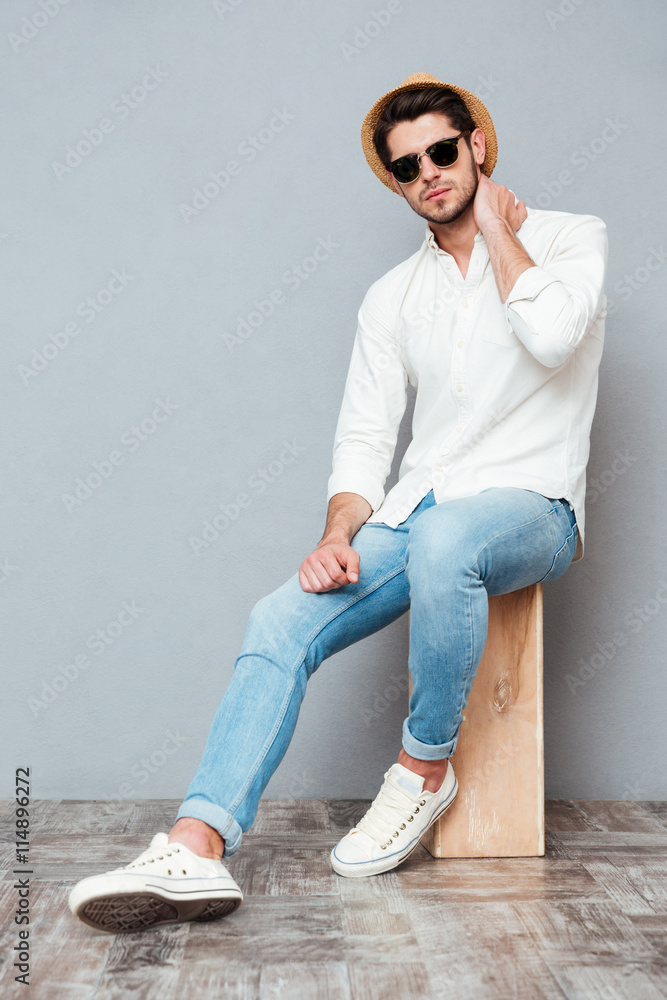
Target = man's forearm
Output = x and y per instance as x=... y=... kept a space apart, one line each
x=507 y=254
x=347 y=512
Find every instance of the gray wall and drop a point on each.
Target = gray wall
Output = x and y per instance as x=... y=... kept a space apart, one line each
x=553 y=78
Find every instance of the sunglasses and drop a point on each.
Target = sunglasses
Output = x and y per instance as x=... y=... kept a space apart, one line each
x=443 y=153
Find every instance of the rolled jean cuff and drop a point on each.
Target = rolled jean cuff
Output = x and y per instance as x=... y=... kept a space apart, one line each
x=218 y=818
x=425 y=751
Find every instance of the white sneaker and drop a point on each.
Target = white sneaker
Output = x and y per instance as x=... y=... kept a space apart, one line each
x=393 y=826
x=166 y=884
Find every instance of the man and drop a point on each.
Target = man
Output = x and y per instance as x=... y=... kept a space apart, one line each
x=497 y=320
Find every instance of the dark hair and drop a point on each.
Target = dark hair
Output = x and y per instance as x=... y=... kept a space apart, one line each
x=412 y=104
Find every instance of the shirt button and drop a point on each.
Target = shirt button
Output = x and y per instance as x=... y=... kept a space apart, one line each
x=459 y=388
x=459 y=343
x=448 y=264
x=464 y=303
x=459 y=429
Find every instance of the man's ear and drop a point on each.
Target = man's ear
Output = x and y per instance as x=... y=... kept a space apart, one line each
x=479 y=146
x=395 y=183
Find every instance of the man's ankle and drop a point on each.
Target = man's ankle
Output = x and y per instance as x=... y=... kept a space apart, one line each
x=198 y=836
x=432 y=771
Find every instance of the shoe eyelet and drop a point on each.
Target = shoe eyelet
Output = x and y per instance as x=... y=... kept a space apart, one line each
x=383 y=847
x=402 y=826
x=184 y=872
x=410 y=819
x=422 y=802
x=416 y=810
x=395 y=834
x=389 y=842
x=168 y=871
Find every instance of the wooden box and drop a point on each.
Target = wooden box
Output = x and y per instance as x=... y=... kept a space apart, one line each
x=499 y=758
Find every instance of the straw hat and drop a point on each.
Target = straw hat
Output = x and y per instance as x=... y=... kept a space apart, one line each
x=419 y=81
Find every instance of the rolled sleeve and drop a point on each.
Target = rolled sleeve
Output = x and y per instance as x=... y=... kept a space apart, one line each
x=351 y=480
x=374 y=401
x=551 y=308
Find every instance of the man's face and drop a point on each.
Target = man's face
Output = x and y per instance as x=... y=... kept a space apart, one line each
x=440 y=194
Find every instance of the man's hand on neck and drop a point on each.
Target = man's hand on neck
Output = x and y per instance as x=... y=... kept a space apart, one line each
x=498 y=218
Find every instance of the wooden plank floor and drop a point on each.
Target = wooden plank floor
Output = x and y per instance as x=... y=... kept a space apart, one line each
x=587 y=920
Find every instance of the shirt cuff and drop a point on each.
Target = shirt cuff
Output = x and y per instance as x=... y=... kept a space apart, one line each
x=529 y=284
x=356 y=481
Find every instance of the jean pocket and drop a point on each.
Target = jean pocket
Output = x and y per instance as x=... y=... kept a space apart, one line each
x=568 y=535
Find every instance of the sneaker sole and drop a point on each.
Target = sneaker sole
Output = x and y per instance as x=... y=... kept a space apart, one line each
x=119 y=912
x=378 y=867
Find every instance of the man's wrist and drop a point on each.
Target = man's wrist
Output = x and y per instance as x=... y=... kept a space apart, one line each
x=334 y=538
x=495 y=224
x=347 y=512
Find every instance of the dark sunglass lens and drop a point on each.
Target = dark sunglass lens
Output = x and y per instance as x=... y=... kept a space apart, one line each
x=405 y=169
x=444 y=154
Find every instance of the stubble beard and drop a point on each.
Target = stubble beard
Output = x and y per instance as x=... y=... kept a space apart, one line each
x=445 y=211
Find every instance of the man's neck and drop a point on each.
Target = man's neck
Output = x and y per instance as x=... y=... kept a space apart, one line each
x=458 y=237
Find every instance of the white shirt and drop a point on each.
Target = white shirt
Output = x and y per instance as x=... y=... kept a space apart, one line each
x=506 y=392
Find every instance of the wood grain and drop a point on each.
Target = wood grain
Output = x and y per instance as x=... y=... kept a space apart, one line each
x=588 y=919
x=499 y=758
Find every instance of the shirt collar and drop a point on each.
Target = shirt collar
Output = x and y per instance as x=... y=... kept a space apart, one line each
x=431 y=241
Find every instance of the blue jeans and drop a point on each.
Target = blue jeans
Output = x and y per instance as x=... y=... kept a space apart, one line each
x=442 y=562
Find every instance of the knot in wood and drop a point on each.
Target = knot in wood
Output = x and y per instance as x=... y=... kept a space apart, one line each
x=502 y=693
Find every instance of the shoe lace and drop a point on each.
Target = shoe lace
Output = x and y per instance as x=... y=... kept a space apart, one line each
x=389 y=814
x=152 y=855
